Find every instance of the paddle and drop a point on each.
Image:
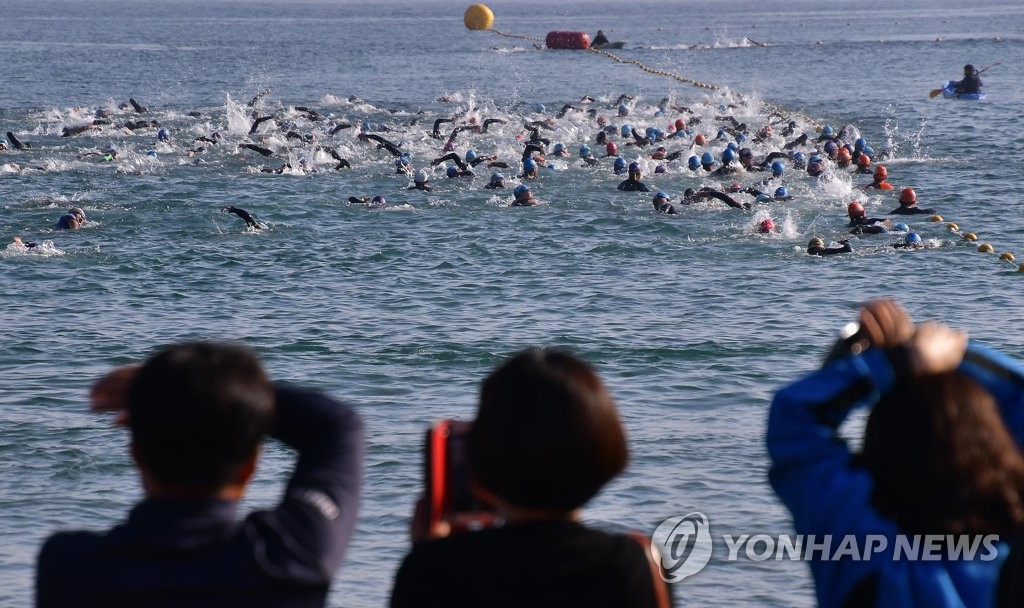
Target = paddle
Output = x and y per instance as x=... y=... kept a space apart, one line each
x=936 y=92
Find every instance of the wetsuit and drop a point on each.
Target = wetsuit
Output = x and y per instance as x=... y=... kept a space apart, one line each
x=196 y=553
x=542 y=564
x=64 y=223
x=846 y=248
x=915 y=210
x=866 y=225
x=633 y=185
x=815 y=475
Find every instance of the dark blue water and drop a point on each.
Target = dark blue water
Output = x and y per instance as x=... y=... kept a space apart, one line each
x=693 y=320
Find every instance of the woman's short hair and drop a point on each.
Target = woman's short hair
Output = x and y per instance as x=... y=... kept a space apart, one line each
x=546 y=435
x=942 y=459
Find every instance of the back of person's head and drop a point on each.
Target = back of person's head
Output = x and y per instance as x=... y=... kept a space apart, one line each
x=942 y=459
x=547 y=434
x=198 y=412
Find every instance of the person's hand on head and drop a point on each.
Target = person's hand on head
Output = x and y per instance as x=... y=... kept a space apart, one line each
x=885 y=323
x=936 y=348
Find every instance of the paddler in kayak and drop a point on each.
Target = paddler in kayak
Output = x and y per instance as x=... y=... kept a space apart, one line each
x=599 y=39
x=971 y=82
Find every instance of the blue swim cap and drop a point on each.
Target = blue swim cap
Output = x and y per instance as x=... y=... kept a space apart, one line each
x=584 y=151
x=529 y=164
x=815 y=159
x=912 y=238
x=634 y=167
x=379 y=200
x=828 y=131
x=707 y=159
x=901 y=227
x=470 y=155
x=746 y=153
x=452 y=172
x=151 y=153
x=406 y=154
x=721 y=134
x=660 y=195
x=420 y=177
x=402 y=162
x=781 y=192
x=163 y=135
x=728 y=155
x=520 y=189
x=778 y=168
x=620 y=165
x=740 y=138
x=659 y=169
x=732 y=146
x=651 y=132
x=798 y=156
x=830 y=146
x=497 y=177
x=366 y=126
x=539 y=108
x=693 y=162
x=559 y=147
x=869 y=151
x=859 y=144
x=626 y=130
x=623 y=110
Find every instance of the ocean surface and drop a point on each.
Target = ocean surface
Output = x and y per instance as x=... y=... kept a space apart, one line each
x=693 y=320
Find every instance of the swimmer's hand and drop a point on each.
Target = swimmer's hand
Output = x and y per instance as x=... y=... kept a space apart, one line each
x=110 y=393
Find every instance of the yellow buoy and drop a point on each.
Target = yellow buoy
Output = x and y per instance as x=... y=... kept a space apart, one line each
x=478 y=17
x=936 y=218
x=952 y=226
x=1006 y=255
x=986 y=248
x=970 y=236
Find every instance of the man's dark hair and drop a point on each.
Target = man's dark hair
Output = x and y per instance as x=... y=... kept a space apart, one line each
x=546 y=435
x=198 y=411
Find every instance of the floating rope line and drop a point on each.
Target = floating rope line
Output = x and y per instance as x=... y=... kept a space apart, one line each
x=516 y=36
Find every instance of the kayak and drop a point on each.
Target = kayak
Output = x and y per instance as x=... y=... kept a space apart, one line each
x=618 y=44
x=949 y=92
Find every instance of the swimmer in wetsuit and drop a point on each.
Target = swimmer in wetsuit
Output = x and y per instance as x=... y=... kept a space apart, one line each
x=880 y=175
x=911 y=241
x=633 y=183
x=497 y=181
x=420 y=181
x=242 y=213
x=523 y=197
x=908 y=204
x=861 y=224
x=72 y=220
x=662 y=205
x=817 y=247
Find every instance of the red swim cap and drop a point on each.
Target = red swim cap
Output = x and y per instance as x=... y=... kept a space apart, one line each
x=612 y=148
x=855 y=210
x=863 y=160
x=767 y=226
x=680 y=124
x=908 y=197
x=700 y=140
x=881 y=172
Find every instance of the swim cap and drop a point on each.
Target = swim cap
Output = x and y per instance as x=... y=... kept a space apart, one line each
x=859 y=144
x=151 y=153
x=626 y=130
x=778 y=168
x=721 y=134
x=539 y=108
x=869 y=151
x=693 y=162
x=77 y=211
x=746 y=153
x=471 y=155
x=844 y=154
x=163 y=135
x=520 y=189
x=707 y=159
x=680 y=124
x=620 y=165
x=611 y=148
x=558 y=149
x=816 y=242
x=110 y=148
x=732 y=146
x=798 y=157
x=855 y=210
x=420 y=177
x=700 y=140
x=452 y=172
x=815 y=167
x=497 y=177
x=601 y=120
x=767 y=226
x=912 y=238
x=908 y=197
x=660 y=195
x=651 y=132
x=529 y=165
x=366 y=125
x=634 y=168
x=402 y=162
x=623 y=110
x=827 y=131
x=584 y=151
x=740 y=138
x=728 y=155
x=863 y=161
x=901 y=227
x=830 y=147
x=765 y=131
x=659 y=168
x=881 y=172
x=379 y=200
x=781 y=192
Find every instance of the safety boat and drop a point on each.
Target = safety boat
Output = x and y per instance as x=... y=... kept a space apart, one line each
x=949 y=92
x=618 y=44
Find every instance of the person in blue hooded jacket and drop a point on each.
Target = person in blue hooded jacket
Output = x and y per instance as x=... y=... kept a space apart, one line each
x=941 y=456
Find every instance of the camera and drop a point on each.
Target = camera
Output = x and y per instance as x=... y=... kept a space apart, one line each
x=448 y=491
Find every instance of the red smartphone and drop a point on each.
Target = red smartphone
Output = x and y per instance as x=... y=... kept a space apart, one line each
x=449 y=493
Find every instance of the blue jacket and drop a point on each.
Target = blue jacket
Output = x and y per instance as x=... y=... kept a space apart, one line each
x=813 y=473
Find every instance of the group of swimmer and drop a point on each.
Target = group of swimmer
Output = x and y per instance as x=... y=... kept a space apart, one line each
x=699 y=144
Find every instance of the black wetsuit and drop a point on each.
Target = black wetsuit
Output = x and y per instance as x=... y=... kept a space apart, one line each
x=830 y=250
x=242 y=213
x=633 y=185
x=196 y=553
x=901 y=210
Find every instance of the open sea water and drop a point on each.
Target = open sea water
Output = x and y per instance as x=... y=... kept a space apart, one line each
x=693 y=320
